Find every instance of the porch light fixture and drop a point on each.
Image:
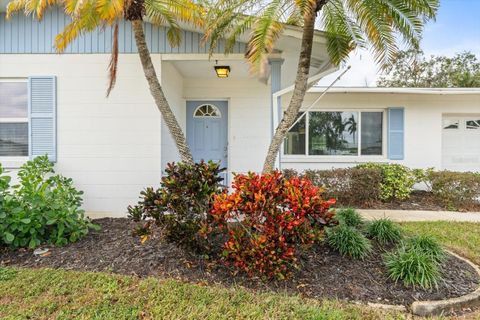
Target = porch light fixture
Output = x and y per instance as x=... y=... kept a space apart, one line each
x=222 y=71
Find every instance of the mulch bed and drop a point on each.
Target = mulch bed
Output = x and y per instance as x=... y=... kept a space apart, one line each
x=324 y=273
x=419 y=200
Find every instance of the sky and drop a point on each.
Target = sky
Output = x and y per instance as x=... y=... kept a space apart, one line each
x=456 y=29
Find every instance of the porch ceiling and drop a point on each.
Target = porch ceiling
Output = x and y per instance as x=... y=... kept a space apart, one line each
x=204 y=69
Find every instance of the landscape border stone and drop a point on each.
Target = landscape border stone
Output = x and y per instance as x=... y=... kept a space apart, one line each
x=438 y=307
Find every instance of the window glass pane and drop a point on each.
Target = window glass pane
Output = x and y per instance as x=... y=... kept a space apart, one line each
x=13 y=100
x=295 y=140
x=333 y=133
x=13 y=139
x=450 y=124
x=372 y=135
x=473 y=124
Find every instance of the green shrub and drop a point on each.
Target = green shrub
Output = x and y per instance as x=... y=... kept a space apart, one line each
x=384 y=231
x=43 y=208
x=351 y=186
x=181 y=205
x=349 y=217
x=428 y=245
x=348 y=241
x=397 y=180
x=413 y=267
x=455 y=190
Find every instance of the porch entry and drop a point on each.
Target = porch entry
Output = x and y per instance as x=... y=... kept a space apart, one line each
x=207 y=135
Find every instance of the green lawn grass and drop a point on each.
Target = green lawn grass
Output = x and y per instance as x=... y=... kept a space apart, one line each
x=462 y=238
x=59 y=294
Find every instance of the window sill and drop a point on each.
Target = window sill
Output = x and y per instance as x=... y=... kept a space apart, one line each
x=13 y=162
x=335 y=159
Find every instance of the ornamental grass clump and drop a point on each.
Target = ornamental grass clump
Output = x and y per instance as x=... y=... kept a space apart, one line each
x=416 y=262
x=348 y=241
x=428 y=245
x=413 y=267
x=384 y=231
x=349 y=217
x=273 y=217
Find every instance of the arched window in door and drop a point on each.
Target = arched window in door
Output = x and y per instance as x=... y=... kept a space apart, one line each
x=207 y=111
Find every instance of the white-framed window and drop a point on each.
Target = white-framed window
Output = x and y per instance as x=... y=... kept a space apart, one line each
x=337 y=133
x=14 y=119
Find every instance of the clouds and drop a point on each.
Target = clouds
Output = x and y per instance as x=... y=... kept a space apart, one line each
x=457 y=29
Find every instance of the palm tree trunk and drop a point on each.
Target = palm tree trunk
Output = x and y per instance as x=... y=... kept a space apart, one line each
x=299 y=90
x=158 y=95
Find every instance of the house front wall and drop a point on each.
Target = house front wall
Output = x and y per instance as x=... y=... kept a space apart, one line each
x=109 y=146
x=422 y=126
x=114 y=147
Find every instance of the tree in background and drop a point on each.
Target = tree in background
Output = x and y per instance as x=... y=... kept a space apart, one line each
x=411 y=69
x=348 y=24
x=89 y=15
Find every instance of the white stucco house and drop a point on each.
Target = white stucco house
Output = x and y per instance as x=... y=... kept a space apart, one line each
x=114 y=147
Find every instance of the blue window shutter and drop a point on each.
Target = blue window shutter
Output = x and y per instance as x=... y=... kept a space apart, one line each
x=42 y=125
x=396 y=128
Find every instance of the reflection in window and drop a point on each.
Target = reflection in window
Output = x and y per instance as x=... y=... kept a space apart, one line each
x=333 y=133
x=14 y=139
x=13 y=100
x=473 y=124
x=207 y=110
x=13 y=118
x=371 y=133
x=451 y=124
x=295 y=140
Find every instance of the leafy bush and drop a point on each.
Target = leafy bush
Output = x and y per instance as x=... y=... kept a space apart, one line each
x=397 y=180
x=384 y=231
x=273 y=216
x=182 y=203
x=44 y=207
x=455 y=190
x=413 y=267
x=349 y=217
x=351 y=186
x=348 y=241
x=428 y=245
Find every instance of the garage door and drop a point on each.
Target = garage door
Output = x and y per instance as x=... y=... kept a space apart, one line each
x=461 y=143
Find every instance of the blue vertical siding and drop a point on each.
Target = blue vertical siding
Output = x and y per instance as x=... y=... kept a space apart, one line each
x=23 y=34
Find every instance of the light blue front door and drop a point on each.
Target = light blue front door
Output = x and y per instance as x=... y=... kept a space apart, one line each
x=207 y=130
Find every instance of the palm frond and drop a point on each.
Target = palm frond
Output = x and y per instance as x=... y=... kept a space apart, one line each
x=342 y=32
x=171 y=13
x=29 y=7
x=110 y=10
x=265 y=33
x=16 y=6
x=87 y=20
x=113 y=65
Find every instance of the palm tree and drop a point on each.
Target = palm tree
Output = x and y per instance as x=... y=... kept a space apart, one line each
x=88 y=15
x=352 y=126
x=348 y=24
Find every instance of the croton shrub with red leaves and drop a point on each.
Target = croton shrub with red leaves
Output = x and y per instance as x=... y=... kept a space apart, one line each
x=267 y=218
